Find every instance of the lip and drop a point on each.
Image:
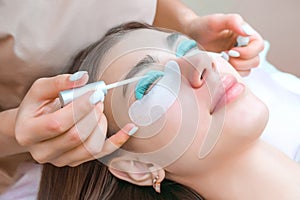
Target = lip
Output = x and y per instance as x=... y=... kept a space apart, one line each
x=225 y=92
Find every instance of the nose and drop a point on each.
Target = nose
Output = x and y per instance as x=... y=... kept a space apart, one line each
x=195 y=68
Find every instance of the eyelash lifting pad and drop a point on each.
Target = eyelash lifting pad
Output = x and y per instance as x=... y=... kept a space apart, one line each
x=184 y=47
x=153 y=105
x=67 y=96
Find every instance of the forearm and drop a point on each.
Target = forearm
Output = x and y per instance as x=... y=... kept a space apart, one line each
x=8 y=144
x=173 y=14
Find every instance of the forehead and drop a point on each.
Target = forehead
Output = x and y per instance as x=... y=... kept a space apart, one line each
x=133 y=47
x=144 y=38
x=137 y=40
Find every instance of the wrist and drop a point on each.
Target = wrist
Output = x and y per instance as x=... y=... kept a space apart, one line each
x=188 y=23
x=8 y=142
x=173 y=14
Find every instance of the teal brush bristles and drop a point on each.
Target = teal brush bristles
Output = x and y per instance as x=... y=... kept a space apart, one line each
x=184 y=47
x=144 y=84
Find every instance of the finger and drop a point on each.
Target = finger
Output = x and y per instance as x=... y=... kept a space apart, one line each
x=74 y=137
x=113 y=143
x=244 y=73
x=118 y=139
x=233 y=22
x=87 y=150
x=48 y=88
x=243 y=65
x=255 y=46
x=52 y=106
x=54 y=124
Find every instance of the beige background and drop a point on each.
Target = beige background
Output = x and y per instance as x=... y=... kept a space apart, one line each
x=277 y=21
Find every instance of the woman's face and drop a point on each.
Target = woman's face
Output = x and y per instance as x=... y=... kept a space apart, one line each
x=211 y=116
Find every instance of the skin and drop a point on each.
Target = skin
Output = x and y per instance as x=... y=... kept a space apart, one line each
x=18 y=136
x=23 y=127
x=36 y=110
x=191 y=84
x=216 y=32
x=230 y=162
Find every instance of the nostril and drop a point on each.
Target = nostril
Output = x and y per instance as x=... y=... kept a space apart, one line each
x=197 y=77
x=202 y=76
x=214 y=66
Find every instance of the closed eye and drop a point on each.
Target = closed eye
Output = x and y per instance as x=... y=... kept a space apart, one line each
x=140 y=66
x=185 y=46
x=144 y=85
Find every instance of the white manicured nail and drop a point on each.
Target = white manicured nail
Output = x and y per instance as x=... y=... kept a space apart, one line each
x=234 y=53
x=297 y=157
x=224 y=55
x=248 y=29
x=133 y=131
x=242 y=41
x=77 y=75
x=97 y=96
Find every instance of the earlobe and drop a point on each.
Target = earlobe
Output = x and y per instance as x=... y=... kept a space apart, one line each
x=136 y=172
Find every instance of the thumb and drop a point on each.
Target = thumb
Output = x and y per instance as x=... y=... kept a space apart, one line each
x=48 y=88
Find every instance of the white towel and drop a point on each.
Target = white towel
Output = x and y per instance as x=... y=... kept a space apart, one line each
x=281 y=93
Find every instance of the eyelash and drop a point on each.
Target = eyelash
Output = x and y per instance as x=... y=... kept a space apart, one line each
x=146 y=84
x=185 y=46
x=141 y=88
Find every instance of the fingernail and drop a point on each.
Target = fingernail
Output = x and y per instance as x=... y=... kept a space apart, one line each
x=78 y=75
x=234 y=53
x=242 y=41
x=224 y=55
x=248 y=29
x=133 y=131
x=97 y=96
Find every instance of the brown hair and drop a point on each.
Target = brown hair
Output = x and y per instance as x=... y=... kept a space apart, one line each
x=92 y=180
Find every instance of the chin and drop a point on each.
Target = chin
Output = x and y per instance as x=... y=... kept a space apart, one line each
x=246 y=118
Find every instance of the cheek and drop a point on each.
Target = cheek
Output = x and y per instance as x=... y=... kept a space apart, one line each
x=182 y=126
x=188 y=123
x=223 y=67
x=116 y=109
x=160 y=134
x=201 y=123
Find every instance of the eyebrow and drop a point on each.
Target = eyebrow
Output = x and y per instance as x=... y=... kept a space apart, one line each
x=140 y=66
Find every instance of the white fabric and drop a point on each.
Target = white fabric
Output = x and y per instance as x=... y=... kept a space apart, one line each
x=27 y=186
x=47 y=33
x=281 y=93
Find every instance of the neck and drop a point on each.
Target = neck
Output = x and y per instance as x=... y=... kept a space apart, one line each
x=260 y=172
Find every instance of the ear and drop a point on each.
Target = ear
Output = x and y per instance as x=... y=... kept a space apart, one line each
x=136 y=172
